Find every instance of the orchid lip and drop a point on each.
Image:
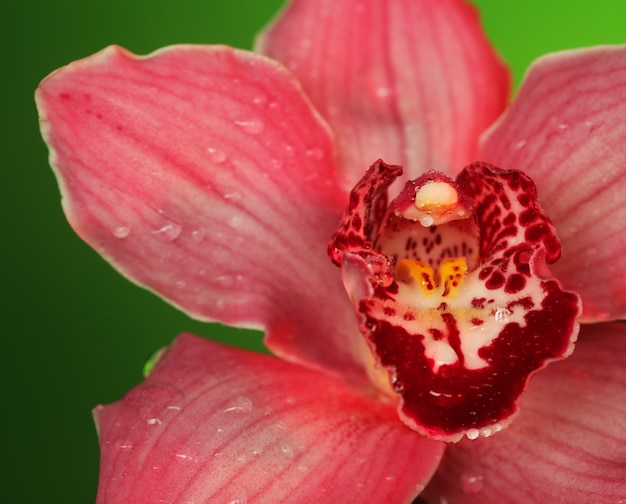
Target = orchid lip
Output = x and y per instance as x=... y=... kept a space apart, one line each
x=461 y=308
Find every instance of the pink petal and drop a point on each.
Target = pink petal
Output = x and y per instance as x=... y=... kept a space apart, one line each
x=218 y=424
x=566 y=130
x=568 y=443
x=204 y=174
x=412 y=82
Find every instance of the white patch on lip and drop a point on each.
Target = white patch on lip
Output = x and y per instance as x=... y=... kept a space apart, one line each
x=441 y=353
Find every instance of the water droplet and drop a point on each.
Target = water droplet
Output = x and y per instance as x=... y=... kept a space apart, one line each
x=197 y=235
x=472 y=434
x=154 y=421
x=315 y=153
x=168 y=232
x=276 y=164
x=520 y=145
x=224 y=280
x=287 y=450
x=239 y=498
x=235 y=195
x=280 y=426
x=251 y=126
x=259 y=100
x=216 y=155
x=121 y=232
x=124 y=446
x=503 y=315
x=240 y=404
x=472 y=482
x=184 y=458
x=235 y=221
x=289 y=150
x=390 y=478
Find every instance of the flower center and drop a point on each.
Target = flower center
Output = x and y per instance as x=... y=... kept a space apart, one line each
x=459 y=308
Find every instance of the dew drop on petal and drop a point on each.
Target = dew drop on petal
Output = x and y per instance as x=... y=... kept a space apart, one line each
x=224 y=280
x=251 y=126
x=197 y=235
x=502 y=315
x=124 y=446
x=121 y=232
x=216 y=155
x=259 y=100
x=239 y=404
x=234 y=195
x=520 y=145
x=184 y=458
x=168 y=232
x=276 y=164
x=287 y=450
x=315 y=153
x=472 y=482
x=472 y=434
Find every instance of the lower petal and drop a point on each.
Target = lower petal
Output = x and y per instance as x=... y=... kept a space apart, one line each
x=218 y=424
x=569 y=439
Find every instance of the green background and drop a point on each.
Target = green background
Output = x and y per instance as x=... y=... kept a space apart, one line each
x=74 y=332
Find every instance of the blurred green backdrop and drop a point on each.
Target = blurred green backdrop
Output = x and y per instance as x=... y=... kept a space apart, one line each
x=76 y=334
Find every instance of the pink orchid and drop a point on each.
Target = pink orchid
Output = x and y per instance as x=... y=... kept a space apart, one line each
x=216 y=177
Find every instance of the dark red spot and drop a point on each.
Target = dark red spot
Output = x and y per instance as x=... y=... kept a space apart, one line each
x=389 y=311
x=477 y=321
x=536 y=232
x=426 y=281
x=496 y=280
x=527 y=216
x=523 y=199
x=436 y=334
x=485 y=272
x=65 y=96
x=409 y=316
x=515 y=283
x=478 y=303
x=509 y=219
x=525 y=302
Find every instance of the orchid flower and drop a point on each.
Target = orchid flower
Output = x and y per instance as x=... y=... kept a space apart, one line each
x=476 y=244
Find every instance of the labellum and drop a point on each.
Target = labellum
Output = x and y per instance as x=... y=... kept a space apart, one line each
x=451 y=285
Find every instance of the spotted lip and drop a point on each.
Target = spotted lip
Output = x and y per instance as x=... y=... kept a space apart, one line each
x=462 y=313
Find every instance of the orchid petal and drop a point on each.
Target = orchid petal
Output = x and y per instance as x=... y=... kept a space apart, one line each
x=569 y=439
x=566 y=130
x=412 y=82
x=218 y=424
x=204 y=174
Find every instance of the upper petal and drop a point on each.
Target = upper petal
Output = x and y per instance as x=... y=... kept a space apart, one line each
x=218 y=424
x=204 y=174
x=412 y=82
x=566 y=130
x=569 y=439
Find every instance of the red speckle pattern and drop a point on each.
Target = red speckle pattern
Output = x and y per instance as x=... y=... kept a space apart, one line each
x=506 y=321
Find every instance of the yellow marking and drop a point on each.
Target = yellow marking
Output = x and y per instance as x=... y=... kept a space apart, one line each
x=449 y=276
x=419 y=272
